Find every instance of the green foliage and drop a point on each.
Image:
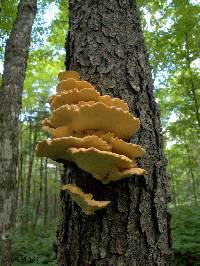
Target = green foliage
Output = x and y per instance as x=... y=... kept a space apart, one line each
x=59 y=28
x=34 y=248
x=186 y=235
x=7 y=17
x=45 y=57
x=172 y=36
x=170 y=23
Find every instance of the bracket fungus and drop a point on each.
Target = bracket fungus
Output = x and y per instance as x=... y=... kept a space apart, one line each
x=90 y=130
x=85 y=201
x=95 y=116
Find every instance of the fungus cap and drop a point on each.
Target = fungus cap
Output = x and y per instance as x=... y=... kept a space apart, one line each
x=73 y=97
x=65 y=131
x=97 y=116
x=70 y=84
x=119 y=175
x=117 y=145
x=46 y=123
x=68 y=74
x=103 y=165
x=57 y=148
x=121 y=147
x=109 y=101
x=59 y=132
x=85 y=201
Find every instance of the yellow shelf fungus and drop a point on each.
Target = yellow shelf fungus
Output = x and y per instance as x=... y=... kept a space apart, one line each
x=85 y=95
x=57 y=148
x=103 y=165
x=85 y=201
x=115 y=144
x=68 y=75
x=95 y=116
x=121 y=147
x=70 y=84
x=73 y=97
x=89 y=130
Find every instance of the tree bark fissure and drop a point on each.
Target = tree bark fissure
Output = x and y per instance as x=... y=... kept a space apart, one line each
x=16 y=54
x=106 y=46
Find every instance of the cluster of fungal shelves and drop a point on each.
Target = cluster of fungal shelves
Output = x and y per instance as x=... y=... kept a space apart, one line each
x=90 y=130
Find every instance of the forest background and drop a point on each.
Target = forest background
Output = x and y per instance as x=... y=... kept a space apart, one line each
x=171 y=29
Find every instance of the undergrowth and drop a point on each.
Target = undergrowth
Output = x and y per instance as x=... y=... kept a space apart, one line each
x=34 y=248
x=185 y=227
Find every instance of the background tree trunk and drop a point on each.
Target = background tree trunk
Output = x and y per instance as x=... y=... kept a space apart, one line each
x=20 y=171
x=55 y=197
x=106 y=46
x=16 y=55
x=37 y=208
x=172 y=178
x=45 y=197
x=190 y=171
x=32 y=143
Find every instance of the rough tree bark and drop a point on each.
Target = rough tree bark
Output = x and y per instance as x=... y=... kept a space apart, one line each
x=16 y=54
x=106 y=46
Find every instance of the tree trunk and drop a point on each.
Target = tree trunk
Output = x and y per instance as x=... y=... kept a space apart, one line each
x=20 y=173
x=22 y=193
x=106 y=46
x=45 y=197
x=55 y=201
x=16 y=54
x=37 y=208
x=190 y=170
x=32 y=144
x=172 y=177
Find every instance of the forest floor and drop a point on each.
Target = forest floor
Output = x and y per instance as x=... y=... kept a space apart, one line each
x=36 y=248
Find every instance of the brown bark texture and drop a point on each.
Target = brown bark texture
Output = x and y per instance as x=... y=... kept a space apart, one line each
x=16 y=54
x=106 y=46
